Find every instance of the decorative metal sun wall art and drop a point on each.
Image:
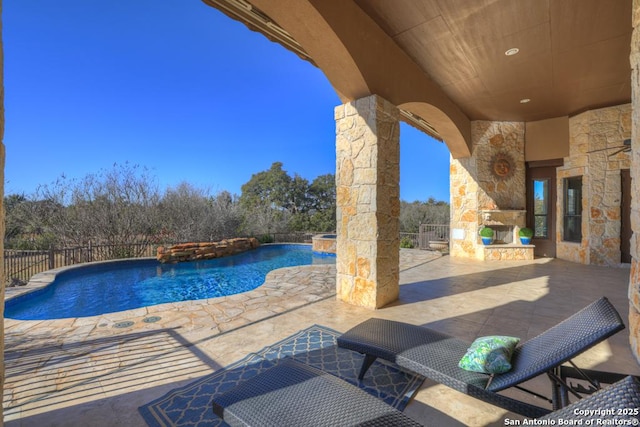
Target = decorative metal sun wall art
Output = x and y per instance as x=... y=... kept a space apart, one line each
x=502 y=166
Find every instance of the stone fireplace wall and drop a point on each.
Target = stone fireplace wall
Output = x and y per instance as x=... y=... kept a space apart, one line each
x=594 y=138
x=491 y=140
x=477 y=187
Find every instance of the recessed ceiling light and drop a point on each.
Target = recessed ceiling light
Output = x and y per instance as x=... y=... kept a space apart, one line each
x=512 y=51
x=524 y=100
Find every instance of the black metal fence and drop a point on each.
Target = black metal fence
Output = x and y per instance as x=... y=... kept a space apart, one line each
x=288 y=237
x=21 y=265
x=433 y=236
x=430 y=236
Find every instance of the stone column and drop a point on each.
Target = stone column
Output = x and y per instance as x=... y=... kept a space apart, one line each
x=634 y=279
x=368 y=202
x=590 y=134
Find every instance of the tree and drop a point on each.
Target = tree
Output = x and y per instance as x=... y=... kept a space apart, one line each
x=117 y=207
x=267 y=201
x=416 y=213
x=267 y=188
x=322 y=194
x=122 y=206
x=298 y=204
x=183 y=212
x=192 y=214
x=226 y=216
x=14 y=222
x=24 y=228
x=274 y=202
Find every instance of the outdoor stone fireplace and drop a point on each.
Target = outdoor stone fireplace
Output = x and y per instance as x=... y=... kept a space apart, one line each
x=489 y=189
x=504 y=234
x=505 y=224
x=506 y=243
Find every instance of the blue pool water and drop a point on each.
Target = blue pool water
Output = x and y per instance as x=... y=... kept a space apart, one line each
x=109 y=287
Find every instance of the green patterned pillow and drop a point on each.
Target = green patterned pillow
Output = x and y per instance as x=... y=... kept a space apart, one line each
x=490 y=355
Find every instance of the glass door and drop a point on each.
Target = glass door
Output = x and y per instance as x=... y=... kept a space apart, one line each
x=541 y=208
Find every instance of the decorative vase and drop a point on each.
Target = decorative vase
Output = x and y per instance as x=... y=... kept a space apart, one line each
x=486 y=240
x=525 y=240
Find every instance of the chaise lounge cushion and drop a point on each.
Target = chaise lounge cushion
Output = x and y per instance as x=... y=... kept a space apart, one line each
x=294 y=394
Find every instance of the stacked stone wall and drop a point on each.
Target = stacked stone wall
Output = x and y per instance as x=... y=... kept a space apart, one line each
x=497 y=253
x=594 y=138
x=323 y=244
x=493 y=139
x=205 y=250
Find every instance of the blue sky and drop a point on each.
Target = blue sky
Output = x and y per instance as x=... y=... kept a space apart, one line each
x=174 y=86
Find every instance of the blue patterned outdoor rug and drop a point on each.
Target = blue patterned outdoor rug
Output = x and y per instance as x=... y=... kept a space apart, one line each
x=190 y=405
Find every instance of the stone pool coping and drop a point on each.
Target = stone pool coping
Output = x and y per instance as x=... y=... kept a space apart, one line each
x=42 y=280
x=284 y=289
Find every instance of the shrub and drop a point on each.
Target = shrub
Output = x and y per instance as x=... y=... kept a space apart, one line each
x=486 y=232
x=406 y=243
x=266 y=238
x=526 y=232
x=122 y=251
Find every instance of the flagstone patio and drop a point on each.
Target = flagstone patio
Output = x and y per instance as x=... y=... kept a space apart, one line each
x=78 y=372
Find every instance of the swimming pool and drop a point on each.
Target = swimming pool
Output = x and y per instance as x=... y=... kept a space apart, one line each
x=102 y=288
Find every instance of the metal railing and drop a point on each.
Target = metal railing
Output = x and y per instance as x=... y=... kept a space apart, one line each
x=430 y=236
x=21 y=265
x=293 y=237
x=410 y=240
x=434 y=236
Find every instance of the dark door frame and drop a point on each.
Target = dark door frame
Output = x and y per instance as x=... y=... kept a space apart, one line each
x=546 y=169
x=625 y=216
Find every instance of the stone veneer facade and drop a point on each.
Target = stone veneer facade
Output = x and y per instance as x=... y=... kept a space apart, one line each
x=594 y=137
x=201 y=251
x=477 y=194
x=368 y=202
x=634 y=280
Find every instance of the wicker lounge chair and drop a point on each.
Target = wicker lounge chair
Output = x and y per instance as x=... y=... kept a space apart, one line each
x=294 y=394
x=618 y=404
x=435 y=355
